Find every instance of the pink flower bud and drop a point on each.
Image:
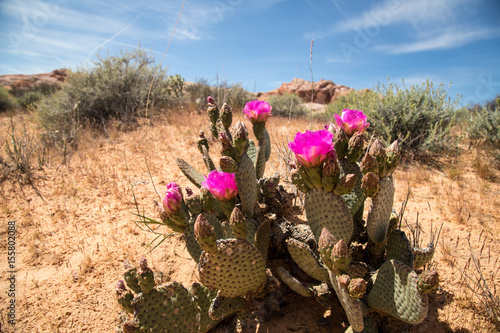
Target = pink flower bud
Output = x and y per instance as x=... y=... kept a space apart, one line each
x=173 y=198
x=352 y=121
x=222 y=185
x=257 y=111
x=312 y=148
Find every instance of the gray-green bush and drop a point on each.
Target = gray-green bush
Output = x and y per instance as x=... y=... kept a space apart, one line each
x=420 y=116
x=287 y=105
x=484 y=124
x=113 y=88
x=222 y=92
x=7 y=101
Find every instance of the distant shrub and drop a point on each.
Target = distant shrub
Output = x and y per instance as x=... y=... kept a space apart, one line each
x=484 y=125
x=113 y=88
x=223 y=92
x=7 y=101
x=420 y=116
x=287 y=105
x=27 y=97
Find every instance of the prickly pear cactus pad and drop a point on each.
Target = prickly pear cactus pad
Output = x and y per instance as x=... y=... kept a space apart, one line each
x=395 y=292
x=379 y=211
x=328 y=210
x=236 y=269
x=168 y=308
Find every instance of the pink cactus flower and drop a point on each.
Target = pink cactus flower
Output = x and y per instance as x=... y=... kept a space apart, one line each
x=222 y=185
x=257 y=111
x=173 y=198
x=312 y=148
x=352 y=121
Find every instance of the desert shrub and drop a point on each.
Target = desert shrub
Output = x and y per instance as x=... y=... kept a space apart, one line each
x=7 y=101
x=27 y=97
x=287 y=105
x=113 y=88
x=420 y=116
x=484 y=125
x=223 y=92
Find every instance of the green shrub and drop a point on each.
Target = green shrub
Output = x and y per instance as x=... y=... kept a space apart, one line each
x=287 y=105
x=7 y=101
x=114 y=88
x=27 y=97
x=420 y=116
x=484 y=125
x=223 y=92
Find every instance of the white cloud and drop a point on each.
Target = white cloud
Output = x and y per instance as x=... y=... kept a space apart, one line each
x=445 y=40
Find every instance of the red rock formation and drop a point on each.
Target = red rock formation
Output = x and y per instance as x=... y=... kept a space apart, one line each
x=323 y=91
x=10 y=82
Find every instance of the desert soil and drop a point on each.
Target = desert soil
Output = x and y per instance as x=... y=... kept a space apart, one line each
x=75 y=230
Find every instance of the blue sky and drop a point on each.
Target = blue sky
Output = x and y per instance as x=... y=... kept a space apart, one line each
x=262 y=43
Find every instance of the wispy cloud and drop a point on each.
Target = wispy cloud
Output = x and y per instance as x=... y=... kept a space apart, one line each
x=445 y=40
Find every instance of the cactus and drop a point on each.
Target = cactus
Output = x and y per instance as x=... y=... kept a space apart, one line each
x=238 y=219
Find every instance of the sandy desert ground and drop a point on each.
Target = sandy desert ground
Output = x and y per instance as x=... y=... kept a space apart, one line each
x=73 y=236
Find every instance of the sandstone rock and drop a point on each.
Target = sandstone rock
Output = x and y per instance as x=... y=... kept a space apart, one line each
x=323 y=91
x=15 y=81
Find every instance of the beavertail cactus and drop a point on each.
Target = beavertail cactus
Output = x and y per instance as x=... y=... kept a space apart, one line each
x=236 y=224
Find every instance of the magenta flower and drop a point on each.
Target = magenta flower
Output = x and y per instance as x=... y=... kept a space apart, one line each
x=222 y=185
x=257 y=111
x=173 y=198
x=352 y=121
x=311 y=148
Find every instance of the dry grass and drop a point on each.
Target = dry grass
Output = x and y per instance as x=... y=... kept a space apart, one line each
x=74 y=236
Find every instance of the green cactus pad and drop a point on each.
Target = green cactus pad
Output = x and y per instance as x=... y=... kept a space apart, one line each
x=422 y=257
x=356 y=197
x=294 y=283
x=267 y=138
x=352 y=306
x=379 y=211
x=252 y=227
x=260 y=162
x=399 y=248
x=190 y=172
x=262 y=238
x=252 y=151
x=192 y=245
x=207 y=159
x=247 y=185
x=171 y=307
x=395 y=292
x=327 y=210
x=306 y=260
x=237 y=269
x=222 y=307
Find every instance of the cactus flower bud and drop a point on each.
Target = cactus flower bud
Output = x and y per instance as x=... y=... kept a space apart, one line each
x=120 y=286
x=341 y=256
x=345 y=184
x=212 y=110
x=145 y=278
x=202 y=142
x=228 y=164
x=240 y=138
x=370 y=184
x=352 y=121
x=173 y=199
x=393 y=156
x=331 y=128
x=227 y=146
x=357 y=288
x=326 y=243
x=222 y=185
x=369 y=164
x=340 y=141
x=311 y=148
x=378 y=152
x=344 y=280
x=238 y=223
x=143 y=264
x=193 y=202
x=355 y=147
x=205 y=235
x=226 y=115
x=428 y=282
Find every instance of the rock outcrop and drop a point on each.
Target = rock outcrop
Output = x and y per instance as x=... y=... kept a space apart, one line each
x=16 y=81
x=324 y=91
